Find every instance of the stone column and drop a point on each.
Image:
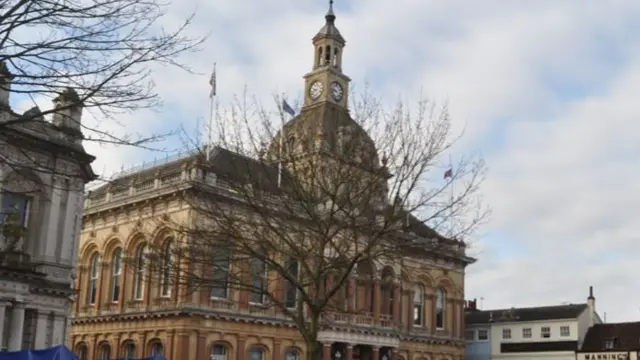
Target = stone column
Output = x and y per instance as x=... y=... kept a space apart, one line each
x=3 y=307
x=17 y=327
x=41 y=336
x=375 y=353
x=397 y=298
x=376 y=300
x=59 y=325
x=241 y=350
x=80 y=297
x=124 y=277
x=349 y=355
x=277 y=352
x=351 y=298
x=409 y=313
x=326 y=352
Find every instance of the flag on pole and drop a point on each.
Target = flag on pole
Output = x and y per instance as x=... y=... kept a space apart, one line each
x=448 y=174
x=287 y=108
x=212 y=82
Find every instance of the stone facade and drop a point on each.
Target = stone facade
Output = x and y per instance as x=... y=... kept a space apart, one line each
x=388 y=313
x=42 y=177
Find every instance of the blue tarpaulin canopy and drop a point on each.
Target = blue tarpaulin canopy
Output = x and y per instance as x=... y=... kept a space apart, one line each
x=55 y=353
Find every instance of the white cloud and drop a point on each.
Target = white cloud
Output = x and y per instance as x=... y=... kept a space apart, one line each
x=545 y=88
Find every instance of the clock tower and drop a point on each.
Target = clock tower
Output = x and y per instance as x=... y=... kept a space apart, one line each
x=326 y=82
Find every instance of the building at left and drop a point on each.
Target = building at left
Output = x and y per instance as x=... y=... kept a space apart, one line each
x=43 y=170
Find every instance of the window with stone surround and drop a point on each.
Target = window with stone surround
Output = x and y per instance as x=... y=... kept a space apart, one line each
x=256 y=354
x=440 y=308
x=14 y=218
x=94 y=276
x=291 y=355
x=418 y=305
x=258 y=280
x=292 y=267
x=483 y=334
x=105 y=352
x=526 y=333
x=157 y=349
x=221 y=267
x=138 y=277
x=166 y=283
x=218 y=352
x=116 y=272
x=506 y=334
x=82 y=351
x=130 y=350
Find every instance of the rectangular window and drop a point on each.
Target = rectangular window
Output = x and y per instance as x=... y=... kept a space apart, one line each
x=14 y=217
x=15 y=208
x=483 y=335
x=564 y=331
x=221 y=267
x=609 y=344
x=258 y=281
x=526 y=333
x=506 y=334
x=291 y=289
x=545 y=332
x=470 y=335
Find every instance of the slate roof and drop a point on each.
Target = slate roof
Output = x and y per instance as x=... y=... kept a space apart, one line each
x=626 y=337
x=542 y=313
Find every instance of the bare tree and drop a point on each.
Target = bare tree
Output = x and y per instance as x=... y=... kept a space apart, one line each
x=91 y=55
x=94 y=56
x=290 y=216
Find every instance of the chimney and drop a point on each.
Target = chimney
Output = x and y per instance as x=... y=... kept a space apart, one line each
x=5 y=85
x=591 y=304
x=67 y=114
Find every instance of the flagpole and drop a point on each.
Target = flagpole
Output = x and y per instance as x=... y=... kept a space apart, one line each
x=281 y=142
x=212 y=97
x=451 y=197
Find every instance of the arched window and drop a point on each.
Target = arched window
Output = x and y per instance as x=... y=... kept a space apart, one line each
x=291 y=355
x=440 y=303
x=130 y=350
x=82 y=351
x=292 y=267
x=116 y=271
x=94 y=275
x=256 y=354
x=138 y=278
x=418 y=305
x=105 y=352
x=258 y=280
x=167 y=262
x=157 y=348
x=221 y=262
x=218 y=352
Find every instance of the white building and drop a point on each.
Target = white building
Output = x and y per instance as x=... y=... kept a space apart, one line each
x=548 y=332
x=43 y=170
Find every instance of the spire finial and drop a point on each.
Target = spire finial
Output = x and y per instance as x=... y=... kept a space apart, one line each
x=330 y=17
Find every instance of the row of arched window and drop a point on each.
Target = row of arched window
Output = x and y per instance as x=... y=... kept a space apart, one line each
x=105 y=352
x=419 y=307
x=221 y=281
x=140 y=270
x=217 y=352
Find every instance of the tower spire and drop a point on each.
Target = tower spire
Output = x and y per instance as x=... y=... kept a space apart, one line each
x=330 y=17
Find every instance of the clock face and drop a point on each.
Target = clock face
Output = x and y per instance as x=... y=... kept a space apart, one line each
x=315 y=90
x=336 y=91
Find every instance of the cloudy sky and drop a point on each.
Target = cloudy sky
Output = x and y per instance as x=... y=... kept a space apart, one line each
x=547 y=91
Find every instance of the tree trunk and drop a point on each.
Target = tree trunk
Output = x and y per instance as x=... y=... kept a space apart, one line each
x=314 y=350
